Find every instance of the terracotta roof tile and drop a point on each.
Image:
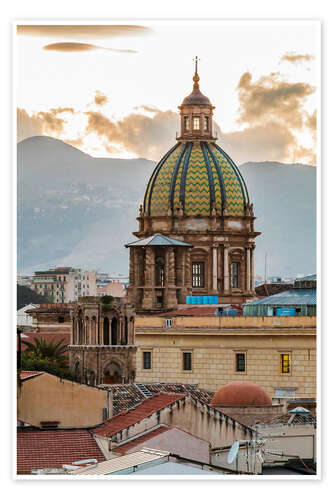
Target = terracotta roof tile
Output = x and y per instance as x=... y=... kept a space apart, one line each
x=127 y=396
x=28 y=374
x=191 y=311
x=40 y=449
x=123 y=449
x=128 y=418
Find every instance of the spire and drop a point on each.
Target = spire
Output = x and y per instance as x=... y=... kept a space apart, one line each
x=196 y=77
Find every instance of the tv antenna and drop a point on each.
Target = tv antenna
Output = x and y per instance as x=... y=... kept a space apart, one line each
x=233 y=453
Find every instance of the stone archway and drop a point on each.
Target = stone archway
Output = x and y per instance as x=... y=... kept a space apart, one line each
x=106 y=340
x=77 y=370
x=114 y=331
x=113 y=373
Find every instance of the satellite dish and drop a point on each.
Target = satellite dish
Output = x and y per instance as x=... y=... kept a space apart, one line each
x=233 y=452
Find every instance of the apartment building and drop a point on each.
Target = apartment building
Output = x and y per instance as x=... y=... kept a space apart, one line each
x=64 y=284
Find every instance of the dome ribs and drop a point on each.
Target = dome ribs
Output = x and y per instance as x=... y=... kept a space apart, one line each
x=239 y=175
x=174 y=177
x=153 y=178
x=184 y=173
x=210 y=176
x=235 y=195
x=220 y=177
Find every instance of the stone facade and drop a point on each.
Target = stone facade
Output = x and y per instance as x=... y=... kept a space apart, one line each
x=214 y=342
x=102 y=347
x=45 y=399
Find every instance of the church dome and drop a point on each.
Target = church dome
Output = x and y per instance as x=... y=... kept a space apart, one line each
x=196 y=176
x=241 y=394
x=196 y=98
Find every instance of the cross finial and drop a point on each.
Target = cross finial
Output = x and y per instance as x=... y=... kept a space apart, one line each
x=196 y=59
x=196 y=76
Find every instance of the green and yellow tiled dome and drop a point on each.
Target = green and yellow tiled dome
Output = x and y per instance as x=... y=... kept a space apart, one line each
x=196 y=177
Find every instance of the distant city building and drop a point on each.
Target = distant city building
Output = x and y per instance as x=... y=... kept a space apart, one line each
x=24 y=280
x=111 y=277
x=24 y=319
x=115 y=289
x=64 y=284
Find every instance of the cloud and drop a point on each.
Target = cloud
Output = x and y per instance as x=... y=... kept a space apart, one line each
x=144 y=136
x=311 y=123
x=58 y=111
x=28 y=126
x=82 y=32
x=269 y=142
x=81 y=47
x=41 y=123
x=272 y=113
x=294 y=58
x=270 y=97
x=100 y=99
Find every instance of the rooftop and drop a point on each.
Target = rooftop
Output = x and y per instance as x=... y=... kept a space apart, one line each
x=158 y=240
x=294 y=296
x=127 y=396
x=25 y=374
x=41 y=449
x=130 y=417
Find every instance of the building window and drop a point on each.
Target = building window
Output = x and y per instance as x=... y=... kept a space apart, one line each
x=147 y=360
x=186 y=127
x=234 y=275
x=168 y=323
x=187 y=361
x=196 y=123
x=206 y=123
x=240 y=362
x=285 y=363
x=198 y=278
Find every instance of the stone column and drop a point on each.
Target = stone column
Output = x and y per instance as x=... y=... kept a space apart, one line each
x=89 y=332
x=215 y=247
x=132 y=267
x=171 y=294
x=252 y=268
x=148 y=301
x=77 y=336
x=248 y=269
x=100 y=330
x=188 y=271
x=226 y=269
x=181 y=264
x=73 y=333
x=110 y=332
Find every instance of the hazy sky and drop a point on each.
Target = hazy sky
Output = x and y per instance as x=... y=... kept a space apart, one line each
x=114 y=90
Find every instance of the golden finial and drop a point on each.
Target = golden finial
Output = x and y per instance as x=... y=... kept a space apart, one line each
x=196 y=76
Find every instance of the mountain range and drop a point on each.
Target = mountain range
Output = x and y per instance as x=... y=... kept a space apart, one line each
x=77 y=210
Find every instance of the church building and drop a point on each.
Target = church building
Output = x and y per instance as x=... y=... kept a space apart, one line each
x=196 y=225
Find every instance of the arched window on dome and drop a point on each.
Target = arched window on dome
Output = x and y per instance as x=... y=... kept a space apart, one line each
x=186 y=123
x=196 y=122
x=206 y=123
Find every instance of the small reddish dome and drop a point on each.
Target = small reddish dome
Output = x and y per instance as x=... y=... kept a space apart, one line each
x=240 y=394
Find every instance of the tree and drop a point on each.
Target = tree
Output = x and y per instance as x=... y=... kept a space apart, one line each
x=27 y=296
x=53 y=352
x=47 y=357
